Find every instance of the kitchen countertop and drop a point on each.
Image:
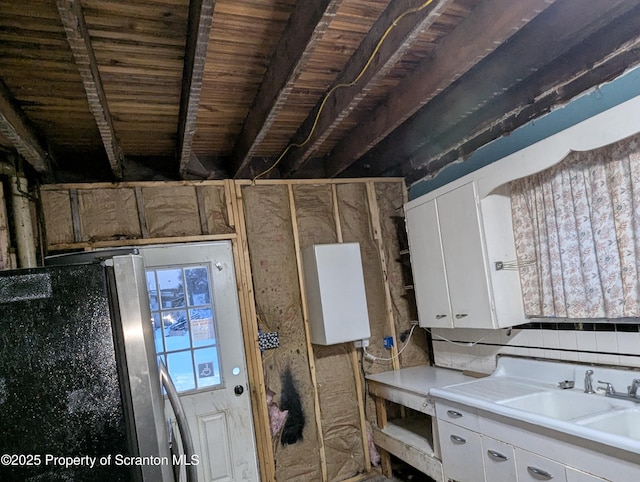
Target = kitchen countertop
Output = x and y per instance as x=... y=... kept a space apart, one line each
x=515 y=379
x=420 y=379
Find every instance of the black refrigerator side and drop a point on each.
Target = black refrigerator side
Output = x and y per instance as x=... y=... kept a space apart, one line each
x=61 y=408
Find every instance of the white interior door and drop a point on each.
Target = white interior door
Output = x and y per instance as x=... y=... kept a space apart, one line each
x=196 y=317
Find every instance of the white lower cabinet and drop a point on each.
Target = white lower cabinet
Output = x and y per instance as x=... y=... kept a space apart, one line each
x=461 y=452
x=477 y=448
x=574 y=475
x=532 y=467
x=499 y=460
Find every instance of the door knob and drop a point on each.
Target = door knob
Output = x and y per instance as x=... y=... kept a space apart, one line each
x=238 y=389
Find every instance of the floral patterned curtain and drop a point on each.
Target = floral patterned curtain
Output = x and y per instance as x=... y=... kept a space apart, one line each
x=577 y=234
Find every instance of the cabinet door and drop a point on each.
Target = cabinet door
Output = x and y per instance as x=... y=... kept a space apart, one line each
x=430 y=282
x=464 y=259
x=533 y=468
x=574 y=475
x=461 y=451
x=499 y=460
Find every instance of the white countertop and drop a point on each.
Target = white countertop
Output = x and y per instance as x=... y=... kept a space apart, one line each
x=420 y=379
x=515 y=379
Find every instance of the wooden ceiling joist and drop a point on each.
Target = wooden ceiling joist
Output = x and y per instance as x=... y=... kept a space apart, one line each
x=420 y=15
x=586 y=65
x=200 y=21
x=80 y=43
x=307 y=24
x=16 y=128
x=490 y=24
x=450 y=119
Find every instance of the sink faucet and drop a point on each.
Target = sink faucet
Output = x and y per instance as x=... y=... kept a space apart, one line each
x=631 y=394
x=588 y=382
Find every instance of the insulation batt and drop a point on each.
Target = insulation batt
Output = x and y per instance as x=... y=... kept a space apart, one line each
x=290 y=401
x=277 y=417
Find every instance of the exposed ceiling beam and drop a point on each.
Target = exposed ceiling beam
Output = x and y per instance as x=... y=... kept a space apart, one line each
x=307 y=24
x=80 y=43
x=477 y=99
x=490 y=24
x=200 y=21
x=515 y=112
x=420 y=15
x=16 y=128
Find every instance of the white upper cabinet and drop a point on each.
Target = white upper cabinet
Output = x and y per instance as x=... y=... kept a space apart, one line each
x=452 y=265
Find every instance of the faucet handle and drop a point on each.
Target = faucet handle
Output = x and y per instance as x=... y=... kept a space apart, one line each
x=633 y=388
x=609 y=388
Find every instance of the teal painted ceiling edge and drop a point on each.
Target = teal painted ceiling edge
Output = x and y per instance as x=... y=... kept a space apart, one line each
x=604 y=97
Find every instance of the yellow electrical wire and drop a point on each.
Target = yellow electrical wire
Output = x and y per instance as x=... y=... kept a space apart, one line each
x=339 y=86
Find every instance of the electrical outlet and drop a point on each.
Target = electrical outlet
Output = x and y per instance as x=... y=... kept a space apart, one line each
x=361 y=343
x=388 y=342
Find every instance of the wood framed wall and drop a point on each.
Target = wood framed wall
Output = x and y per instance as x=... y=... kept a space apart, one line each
x=269 y=222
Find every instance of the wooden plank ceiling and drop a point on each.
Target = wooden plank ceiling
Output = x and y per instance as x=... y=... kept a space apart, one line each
x=100 y=90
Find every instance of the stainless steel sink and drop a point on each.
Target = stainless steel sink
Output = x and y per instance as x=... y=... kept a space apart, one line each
x=562 y=404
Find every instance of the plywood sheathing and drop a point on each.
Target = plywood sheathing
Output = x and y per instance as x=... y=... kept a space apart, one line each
x=278 y=303
x=339 y=400
x=390 y=199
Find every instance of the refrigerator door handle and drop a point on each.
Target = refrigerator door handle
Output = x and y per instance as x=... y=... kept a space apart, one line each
x=181 y=419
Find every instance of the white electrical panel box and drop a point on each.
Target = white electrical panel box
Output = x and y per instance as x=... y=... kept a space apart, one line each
x=334 y=284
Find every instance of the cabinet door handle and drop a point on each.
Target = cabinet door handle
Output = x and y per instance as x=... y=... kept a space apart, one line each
x=439 y=317
x=456 y=439
x=461 y=315
x=497 y=456
x=454 y=414
x=539 y=474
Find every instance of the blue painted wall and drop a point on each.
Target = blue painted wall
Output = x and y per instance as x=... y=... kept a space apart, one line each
x=606 y=96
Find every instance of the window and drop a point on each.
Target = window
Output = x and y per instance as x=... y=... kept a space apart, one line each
x=577 y=234
x=184 y=325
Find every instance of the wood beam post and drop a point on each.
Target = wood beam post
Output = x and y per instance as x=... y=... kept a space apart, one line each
x=80 y=43
x=200 y=21
x=307 y=24
x=490 y=24
x=14 y=125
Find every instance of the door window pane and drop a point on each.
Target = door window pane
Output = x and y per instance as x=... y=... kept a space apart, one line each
x=157 y=332
x=202 y=327
x=208 y=371
x=184 y=324
x=171 y=286
x=198 y=286
x=180 y=367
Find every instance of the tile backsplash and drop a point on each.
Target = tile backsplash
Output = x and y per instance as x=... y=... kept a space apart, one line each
x=600 y=343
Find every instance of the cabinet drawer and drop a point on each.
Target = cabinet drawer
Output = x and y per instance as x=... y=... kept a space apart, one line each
x=499 y=460
x=533 y=468
x=461 y=453
x=458 y=414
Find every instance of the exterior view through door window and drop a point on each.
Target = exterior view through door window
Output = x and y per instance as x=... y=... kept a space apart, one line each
x=183 y=324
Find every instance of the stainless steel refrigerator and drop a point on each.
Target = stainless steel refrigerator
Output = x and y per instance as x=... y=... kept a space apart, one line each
x=80 y=390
